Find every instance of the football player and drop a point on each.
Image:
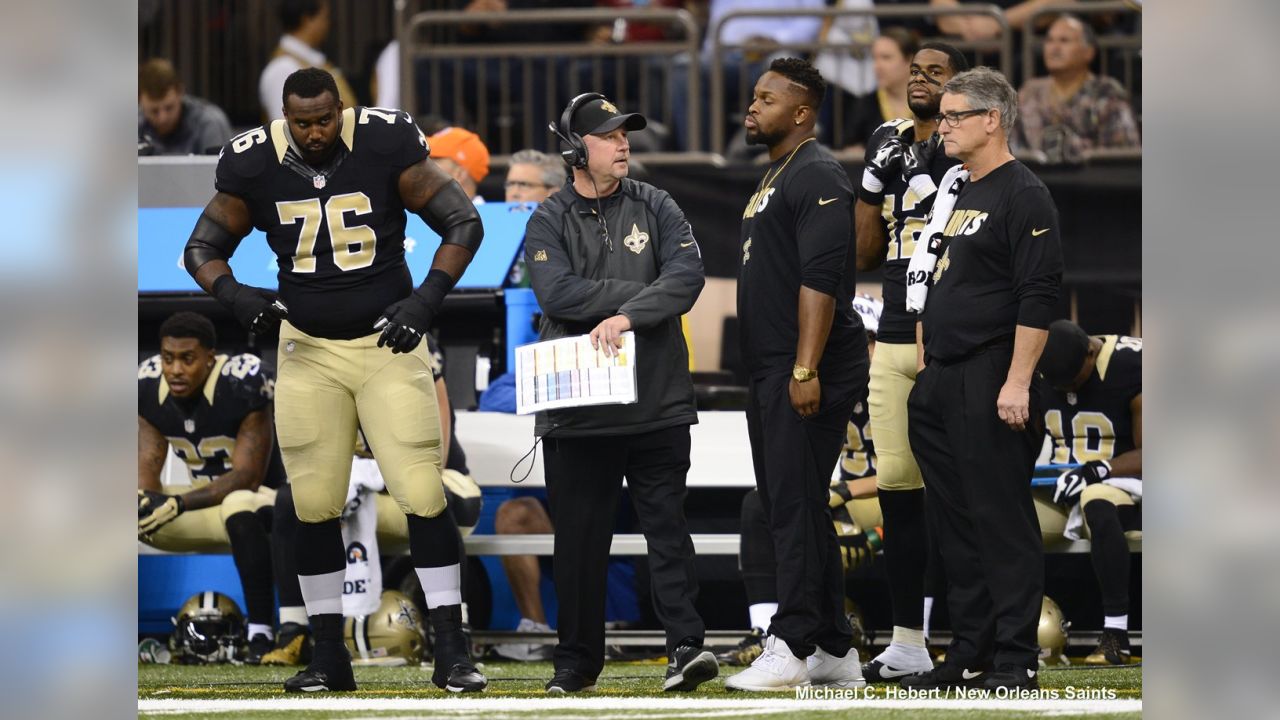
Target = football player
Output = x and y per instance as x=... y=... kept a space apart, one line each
x=461 y=491
x=904 y=163
x=214 y=411
x=330 y=186
x=1094 y=419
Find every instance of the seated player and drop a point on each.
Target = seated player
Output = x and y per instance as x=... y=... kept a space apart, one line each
x=1094 y=418
x=215 y=412
x=461 y=493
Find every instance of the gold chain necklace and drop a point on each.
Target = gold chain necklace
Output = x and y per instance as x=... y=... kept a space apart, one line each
x=769 y=182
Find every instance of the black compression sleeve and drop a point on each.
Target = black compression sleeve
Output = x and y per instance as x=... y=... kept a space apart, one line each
x=451 y=214
x=208 y=241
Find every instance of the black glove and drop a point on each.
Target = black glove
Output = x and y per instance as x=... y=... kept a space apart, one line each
x=404 y=323
x=885 y=162
x=155 y=510
x=917 y=158
x=1073 y=482
x=839 y=494
x=257 y=310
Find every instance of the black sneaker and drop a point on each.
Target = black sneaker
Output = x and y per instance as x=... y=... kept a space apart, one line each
x=690 y=666
x=748 y=649
x=569 y=681
x=330 y=671
x=453 y=670
x=259 y=646
x=944 y=676
x=1113 y=649
x=1012 y=677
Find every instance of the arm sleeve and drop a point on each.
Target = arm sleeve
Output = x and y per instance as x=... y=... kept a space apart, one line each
x=680 y=273
x=562 y=294
x=822 y=200
x=1036 y=255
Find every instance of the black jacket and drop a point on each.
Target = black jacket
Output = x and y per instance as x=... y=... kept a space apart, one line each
x=649 y=270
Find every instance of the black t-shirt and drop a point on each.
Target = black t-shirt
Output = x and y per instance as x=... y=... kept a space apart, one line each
x=338 y=231
x=904 y=216
x=202 y=430
x=858 y=456
x=797 y=230
x=1002 y=266
x=1096 y=421
x=456 y=459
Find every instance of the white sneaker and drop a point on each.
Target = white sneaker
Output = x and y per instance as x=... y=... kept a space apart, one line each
x=527 y=651
x=776 y=669
x=827 y=670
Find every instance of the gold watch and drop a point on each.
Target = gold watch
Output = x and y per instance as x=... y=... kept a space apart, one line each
x=803 y=374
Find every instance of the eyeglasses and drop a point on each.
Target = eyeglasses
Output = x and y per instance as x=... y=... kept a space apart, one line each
x=523 y=185
x=953 y=118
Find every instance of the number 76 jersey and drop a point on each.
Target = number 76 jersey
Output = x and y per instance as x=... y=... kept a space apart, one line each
x=337 y=231
x=1096 y=421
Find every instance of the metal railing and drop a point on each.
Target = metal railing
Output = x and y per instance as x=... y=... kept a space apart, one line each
x=1001 y=45
x=535 y=80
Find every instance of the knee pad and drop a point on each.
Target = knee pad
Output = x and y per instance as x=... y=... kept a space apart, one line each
x=463 y=499
x=239 y=501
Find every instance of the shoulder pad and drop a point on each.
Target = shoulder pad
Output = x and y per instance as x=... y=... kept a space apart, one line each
x=248 y=379
x=385 y=131
x=243 y=159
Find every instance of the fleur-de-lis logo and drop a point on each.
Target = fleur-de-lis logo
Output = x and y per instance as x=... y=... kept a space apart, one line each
x=943 y=264
x=540 y=256
x=636 y=241
x=609 y=107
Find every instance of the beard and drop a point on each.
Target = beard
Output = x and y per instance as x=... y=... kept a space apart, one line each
x=759 y=136
x=925 y=108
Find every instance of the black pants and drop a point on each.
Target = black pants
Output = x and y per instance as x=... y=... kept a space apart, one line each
x=977 y=471
x=584 y=478
x=794 y=458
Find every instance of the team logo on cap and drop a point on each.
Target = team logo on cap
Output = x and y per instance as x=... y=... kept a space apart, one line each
x=609 y=107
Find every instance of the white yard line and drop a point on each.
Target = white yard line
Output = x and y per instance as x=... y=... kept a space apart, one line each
x=488 y=707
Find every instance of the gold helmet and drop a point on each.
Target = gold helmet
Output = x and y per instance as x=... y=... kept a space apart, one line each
x=857 y=546
x=394 y=635
x=209 y=628
x=1052 y=634
x=861 y=642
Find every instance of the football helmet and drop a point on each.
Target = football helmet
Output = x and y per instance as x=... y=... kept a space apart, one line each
x=857 y=623
x=857 y=546
x=209 y=628
x=1051 y=633
x=394 y=635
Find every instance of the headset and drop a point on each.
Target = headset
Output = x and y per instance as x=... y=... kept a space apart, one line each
x=576 y=155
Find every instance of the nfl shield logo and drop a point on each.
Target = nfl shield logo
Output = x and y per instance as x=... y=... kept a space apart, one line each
x=318 y=181
x=189 y=426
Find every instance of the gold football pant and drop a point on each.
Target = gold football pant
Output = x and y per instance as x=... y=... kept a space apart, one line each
x=324 y=389
x=206 y=529
x=893 y=374
x=1053 y=517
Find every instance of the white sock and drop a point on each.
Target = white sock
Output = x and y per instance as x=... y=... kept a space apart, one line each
x=260 y=629
x=928 y=610
x=907 y=637
x=322 y=594
x=761 y=614
x=441 y=585
x=294 y=614
x=1116 y=622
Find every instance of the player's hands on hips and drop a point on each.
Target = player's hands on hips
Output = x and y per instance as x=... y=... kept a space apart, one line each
x=607 y=336
x=886 y=161
x=1013 y=405
x=1073 y=482
x=155 y=510
x=404 y=323
x=258 y=311
x=805 y=396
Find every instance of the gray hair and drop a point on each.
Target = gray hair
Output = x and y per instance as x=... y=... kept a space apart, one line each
x=987 y=88
x=553 y=172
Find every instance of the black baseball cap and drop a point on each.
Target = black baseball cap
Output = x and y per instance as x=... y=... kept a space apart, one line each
x=1064 y=353
x=601 y=116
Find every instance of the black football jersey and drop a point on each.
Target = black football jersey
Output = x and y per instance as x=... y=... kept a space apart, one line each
x=858 y=457
x=796 y=228
x=1096 y=421
x=202 y=430
x=337 y=231
x=904 y=216
x=456 y=459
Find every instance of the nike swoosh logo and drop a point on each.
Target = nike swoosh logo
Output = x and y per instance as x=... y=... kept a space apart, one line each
x=1038 y=233
x=969 y=675
x=688 y=243
x=826 y=202
x=888 y=672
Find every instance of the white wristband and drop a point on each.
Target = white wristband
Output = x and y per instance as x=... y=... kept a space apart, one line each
x=922 y=185
x=870 y=182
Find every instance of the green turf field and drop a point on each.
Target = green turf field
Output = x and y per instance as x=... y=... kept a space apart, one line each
x=626 y=691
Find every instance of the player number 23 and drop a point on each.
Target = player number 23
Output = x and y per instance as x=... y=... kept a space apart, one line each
x=353 y=247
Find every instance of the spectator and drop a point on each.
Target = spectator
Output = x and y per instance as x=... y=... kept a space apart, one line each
x=461 y=154
x=533 y=176
x=306 y=27
x=171 y=121
x=1073 y=110
x=985 y=27
x=848 y=65
x=891 y=55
